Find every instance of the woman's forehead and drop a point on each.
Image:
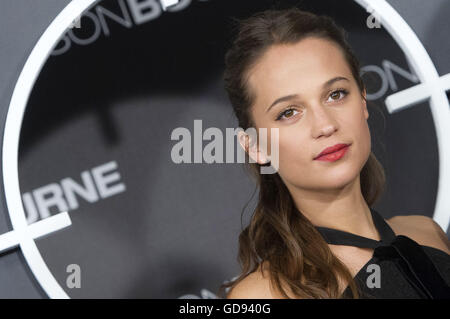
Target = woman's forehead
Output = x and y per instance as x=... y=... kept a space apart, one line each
x=292 y=68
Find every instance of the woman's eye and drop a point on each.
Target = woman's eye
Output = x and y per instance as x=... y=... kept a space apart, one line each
x=287 y=114
x=337 y=95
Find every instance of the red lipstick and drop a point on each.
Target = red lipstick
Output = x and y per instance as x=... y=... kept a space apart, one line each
x=333 y=153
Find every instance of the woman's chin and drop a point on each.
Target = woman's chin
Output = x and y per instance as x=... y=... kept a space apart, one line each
x=338 y=179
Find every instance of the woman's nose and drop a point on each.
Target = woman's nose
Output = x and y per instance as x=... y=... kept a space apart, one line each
x=323 y=122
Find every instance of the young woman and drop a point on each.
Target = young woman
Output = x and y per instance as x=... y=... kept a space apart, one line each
x=314 y=233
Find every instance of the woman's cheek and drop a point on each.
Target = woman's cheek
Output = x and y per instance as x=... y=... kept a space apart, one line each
x=291 y=156
x=364 y=141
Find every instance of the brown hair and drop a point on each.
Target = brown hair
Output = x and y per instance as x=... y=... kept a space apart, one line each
x=278 y=233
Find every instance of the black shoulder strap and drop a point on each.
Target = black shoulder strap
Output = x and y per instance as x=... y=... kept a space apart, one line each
x=340 y=237
x=409 y=256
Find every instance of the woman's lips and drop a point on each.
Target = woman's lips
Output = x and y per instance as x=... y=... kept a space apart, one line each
x=334 y=156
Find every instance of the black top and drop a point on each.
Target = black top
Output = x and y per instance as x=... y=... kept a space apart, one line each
x=406 y=268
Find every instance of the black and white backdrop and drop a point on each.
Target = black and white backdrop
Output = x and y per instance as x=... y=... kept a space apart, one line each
x=95 y=140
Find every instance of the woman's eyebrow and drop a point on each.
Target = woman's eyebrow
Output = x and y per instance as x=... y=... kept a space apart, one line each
x=292 y=96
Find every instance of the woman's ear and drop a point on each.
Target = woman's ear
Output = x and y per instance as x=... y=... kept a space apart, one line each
x=250 y=146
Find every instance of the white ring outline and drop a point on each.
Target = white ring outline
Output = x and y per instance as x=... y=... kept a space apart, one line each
x=389 y=18
x=14 y=117
x=431 y=86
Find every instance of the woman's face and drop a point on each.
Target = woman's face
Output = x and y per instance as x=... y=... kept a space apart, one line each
x=323 y=107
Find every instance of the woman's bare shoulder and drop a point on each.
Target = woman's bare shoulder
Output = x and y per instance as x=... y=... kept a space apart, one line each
x=256 y=285
x=422 y=229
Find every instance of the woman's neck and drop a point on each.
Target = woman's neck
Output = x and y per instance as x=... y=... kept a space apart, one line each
x=343 y=209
